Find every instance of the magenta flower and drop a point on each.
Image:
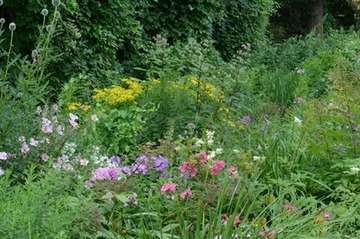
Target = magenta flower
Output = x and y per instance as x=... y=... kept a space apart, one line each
x=233 y=169
x=186 y=193
x=215 y=169
x=168 y=187
x=187 y=168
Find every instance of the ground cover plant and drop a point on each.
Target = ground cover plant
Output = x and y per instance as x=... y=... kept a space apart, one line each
x=196 y=144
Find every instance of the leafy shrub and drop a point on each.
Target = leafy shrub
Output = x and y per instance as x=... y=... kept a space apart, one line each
x=46 y=207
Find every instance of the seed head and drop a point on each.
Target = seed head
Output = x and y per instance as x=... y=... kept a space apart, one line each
x=12 y=26
x=49 y=28
x=56 y=2
x=44 y=12
x=57 y=14
x=1 y=2
x=2 y=20
x=34 y=53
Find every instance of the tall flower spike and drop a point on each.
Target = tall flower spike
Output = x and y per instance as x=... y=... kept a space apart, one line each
x=12 y=26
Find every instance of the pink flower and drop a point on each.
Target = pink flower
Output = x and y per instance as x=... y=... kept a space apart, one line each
x=55 y=107
x=3 y=156
x=45 y=157
x=25 y=148
x=232 y=169
x=271 y=234
x=203 y=157
x=22 y=139
x=46 y=128
x=34 y=142
x=168 y=187
x=94 y=118
x=187 y=168
x=186 y=193
x=327 y=215
x=215 y=169
x=84 y=162
x=262 y=232
x=60 y=130
x=73 y=119
x=68 y=167
x=38 y=110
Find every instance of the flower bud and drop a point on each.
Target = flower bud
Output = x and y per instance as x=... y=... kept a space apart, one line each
x=56 y=2
x=44 y=12
x=12 y=26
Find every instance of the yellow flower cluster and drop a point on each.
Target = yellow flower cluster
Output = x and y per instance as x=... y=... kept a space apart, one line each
x=78 y=105
x=116 y=95
x=207 y=88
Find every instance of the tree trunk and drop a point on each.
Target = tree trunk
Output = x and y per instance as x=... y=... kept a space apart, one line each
x=315 y=16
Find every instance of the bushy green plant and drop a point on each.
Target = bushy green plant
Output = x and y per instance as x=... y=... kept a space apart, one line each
x=46 y=207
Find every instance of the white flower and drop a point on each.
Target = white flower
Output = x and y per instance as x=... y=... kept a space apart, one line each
x=34 y=142
x=300 y=71
x=199 y=142
x=354 y=169
x=3 y=156
x=2 y=172
x=236 y=151
x=22 y=139
x=211 y=155
x=84 y=162
x=258 y=158
x=219 y=151
x=297 y=120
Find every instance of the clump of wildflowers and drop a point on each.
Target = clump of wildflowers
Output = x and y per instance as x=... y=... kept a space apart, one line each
x=104 y=174
x=117 y=95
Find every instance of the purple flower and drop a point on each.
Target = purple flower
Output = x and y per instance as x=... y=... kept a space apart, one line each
x=104 y=174
x=160 y=163
x=115 y=159
x=298 y=100
x=112 y=173
x=246 y=119
x=125 y=170
x=139 y=168
x=142 y=159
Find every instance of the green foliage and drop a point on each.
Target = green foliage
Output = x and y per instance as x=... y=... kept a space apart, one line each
x=45 y=207
x=241 y=22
